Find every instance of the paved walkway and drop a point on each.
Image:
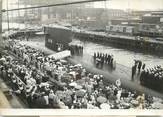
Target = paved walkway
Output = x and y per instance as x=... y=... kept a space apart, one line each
x=3 y=100
x=7 y=101
x=121 y=72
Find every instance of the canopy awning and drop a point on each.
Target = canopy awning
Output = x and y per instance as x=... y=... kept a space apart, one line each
x=40 y=33
x=60 y=55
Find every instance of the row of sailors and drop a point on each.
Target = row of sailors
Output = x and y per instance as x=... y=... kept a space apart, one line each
x=76 y=49
x=152 y=78
x=138 y=66
x=101 y=58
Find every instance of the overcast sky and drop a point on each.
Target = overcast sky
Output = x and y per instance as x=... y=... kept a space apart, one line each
x=131 y=4
x=121 y=4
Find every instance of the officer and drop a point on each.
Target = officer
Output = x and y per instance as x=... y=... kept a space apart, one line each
x=133 y=72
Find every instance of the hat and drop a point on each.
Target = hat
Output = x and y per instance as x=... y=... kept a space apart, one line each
x=95 y=76
x=51 y=91
x=28 y=89
x=19 y=82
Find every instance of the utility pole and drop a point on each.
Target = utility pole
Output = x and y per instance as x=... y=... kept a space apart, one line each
x=48 y=9
x=18 y=16
x=7 y=17
x=1 y=44
x=0 y=17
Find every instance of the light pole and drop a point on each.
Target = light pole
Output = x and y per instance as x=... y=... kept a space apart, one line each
x=7 y=17
x=18 y=16
x=1 y=41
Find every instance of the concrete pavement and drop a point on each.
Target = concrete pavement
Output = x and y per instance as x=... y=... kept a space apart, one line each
x=6 y=100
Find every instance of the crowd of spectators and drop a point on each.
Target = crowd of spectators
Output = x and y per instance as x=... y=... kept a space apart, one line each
x=44 y=82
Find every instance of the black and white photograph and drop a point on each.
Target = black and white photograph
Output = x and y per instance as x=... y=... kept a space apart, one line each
x=81 y=54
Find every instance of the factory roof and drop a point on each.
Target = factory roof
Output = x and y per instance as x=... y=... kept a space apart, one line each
x=57 y=26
